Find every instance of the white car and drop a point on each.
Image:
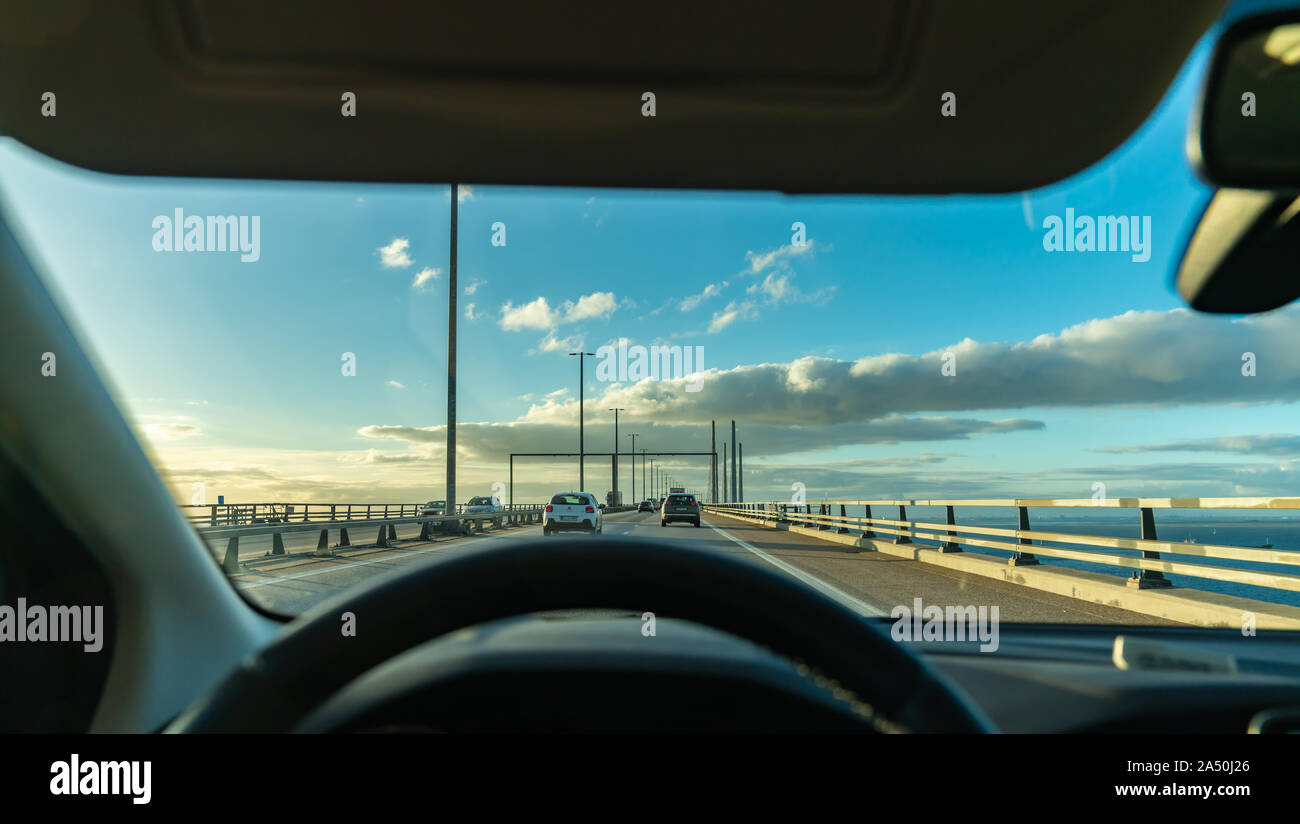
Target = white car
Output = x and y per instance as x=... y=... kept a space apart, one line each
x=434 y=508
x=574 y=511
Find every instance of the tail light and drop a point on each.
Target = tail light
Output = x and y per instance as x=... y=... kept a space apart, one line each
x=591 y=509
x=550 y=508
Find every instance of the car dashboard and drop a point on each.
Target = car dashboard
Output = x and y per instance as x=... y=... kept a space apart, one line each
x=600 y=671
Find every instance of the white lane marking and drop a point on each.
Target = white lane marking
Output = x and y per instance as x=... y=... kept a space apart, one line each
x=861 y=607
x=407 y=554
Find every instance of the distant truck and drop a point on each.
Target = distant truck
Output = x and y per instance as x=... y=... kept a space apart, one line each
x=614 y=498
x=676 y=489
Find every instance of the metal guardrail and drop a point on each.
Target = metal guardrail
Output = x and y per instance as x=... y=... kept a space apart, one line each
x=262 y=519
x=1025 y=544
x=280 y=513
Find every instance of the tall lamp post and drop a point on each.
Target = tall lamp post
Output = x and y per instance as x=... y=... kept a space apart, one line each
x=633 y=435
x=645 y=489
x=582 y=452
x=450 y=490
x=616 y=410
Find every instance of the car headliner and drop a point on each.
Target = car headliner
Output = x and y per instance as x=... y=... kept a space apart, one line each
x=807 y=97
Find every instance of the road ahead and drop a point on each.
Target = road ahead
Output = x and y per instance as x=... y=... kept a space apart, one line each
x=868 y=582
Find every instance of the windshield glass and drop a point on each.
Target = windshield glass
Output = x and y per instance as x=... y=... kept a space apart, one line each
x=950 y=381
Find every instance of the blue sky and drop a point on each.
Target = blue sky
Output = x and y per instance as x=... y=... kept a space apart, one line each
x=231 y=370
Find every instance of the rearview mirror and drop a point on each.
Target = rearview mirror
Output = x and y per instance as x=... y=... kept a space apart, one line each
x=1241 y=258
x=1249 y=118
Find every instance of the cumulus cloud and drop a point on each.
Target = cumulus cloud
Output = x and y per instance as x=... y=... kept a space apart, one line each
x=425 y=277
x=1136 y=359
x=395 y=254
x=595 y=305
x=536 y=314
x=539 y=314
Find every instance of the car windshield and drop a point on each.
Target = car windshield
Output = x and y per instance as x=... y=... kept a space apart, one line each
x=903 y=397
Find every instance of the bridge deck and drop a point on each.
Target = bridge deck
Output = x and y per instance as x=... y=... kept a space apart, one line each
x=867 y=581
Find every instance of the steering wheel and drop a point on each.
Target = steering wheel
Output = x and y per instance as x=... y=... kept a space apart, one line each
x=882 y=681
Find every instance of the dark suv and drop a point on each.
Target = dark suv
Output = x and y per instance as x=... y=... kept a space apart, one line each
x=680 y=507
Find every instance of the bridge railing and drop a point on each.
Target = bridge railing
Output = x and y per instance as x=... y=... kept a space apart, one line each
x=233 y=521
x=1143 y=556
x=283 y=513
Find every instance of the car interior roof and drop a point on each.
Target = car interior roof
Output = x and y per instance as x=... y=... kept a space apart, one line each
x=809 y=97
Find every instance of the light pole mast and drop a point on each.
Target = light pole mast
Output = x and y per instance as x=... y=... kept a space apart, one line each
x=616 y=410
x=582 y=452
x=734 y=497
x=633 y=435
x=450 y=490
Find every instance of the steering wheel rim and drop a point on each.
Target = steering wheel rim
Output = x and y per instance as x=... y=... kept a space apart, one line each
x=883 y=681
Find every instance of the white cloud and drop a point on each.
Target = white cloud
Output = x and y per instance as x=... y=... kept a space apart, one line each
x=537 y=314
x=758 y=261
x=712 y=290
x=1274 y=444
x=778 y=288
x=425 y=276
x=474 y=285
x=595 y=305
x=735 y=310
x=470 y=314
x=551 y=343
x=395 y=255
x=396 y=385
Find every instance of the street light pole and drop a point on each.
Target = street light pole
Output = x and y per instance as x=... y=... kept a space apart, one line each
x=644 y=488
x=582 y=457
x=450 y=490
x=633 y=435
x=616 y=410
